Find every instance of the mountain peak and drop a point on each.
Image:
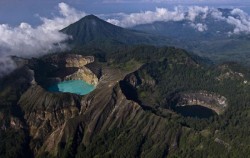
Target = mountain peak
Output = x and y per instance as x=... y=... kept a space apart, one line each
x=92 y=29
x=91 y=16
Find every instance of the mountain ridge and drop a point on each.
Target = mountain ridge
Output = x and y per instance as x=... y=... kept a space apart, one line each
x=217 y=42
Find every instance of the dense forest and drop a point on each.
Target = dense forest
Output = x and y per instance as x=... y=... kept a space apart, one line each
x=166 y=71
x=175 y=70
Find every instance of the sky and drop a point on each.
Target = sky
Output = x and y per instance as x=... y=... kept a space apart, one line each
x=13 y=12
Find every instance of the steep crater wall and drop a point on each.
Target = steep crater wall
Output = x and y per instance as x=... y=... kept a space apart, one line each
x=212 y=101
x=47 y=112
x=58 y=68
x=142 y=88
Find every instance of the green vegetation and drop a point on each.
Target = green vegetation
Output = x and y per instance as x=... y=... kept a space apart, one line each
x=14 y=143
x=134 y=117
x=177 y=72
x=163 y=73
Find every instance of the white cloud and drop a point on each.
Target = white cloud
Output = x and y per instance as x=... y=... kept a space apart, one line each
x=216 y=14
x=195 y=11
x=200 y=27
x=239 y=19
x=193 y=2
x=163 y=14
x=6 y=65
x=68 y=16
x=27 y=41
x=160 y=14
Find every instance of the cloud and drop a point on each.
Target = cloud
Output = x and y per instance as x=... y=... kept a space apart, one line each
x=237 y=18
x=216 y=14
x=199 y=27
x=162 y=14
x=68 y=16
x=193 y=2
x=195 y=11
x=27 y=41
x=6 y=65
x=240 y=20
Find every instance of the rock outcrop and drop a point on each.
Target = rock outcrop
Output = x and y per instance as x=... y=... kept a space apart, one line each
x=78 y=61
x=45 y=112
x=85 y=74
x=70 y=60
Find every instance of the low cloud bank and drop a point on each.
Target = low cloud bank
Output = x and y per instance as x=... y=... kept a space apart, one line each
x=240 y=20
x=27 y=41
x=237 y=18
x=162 y=14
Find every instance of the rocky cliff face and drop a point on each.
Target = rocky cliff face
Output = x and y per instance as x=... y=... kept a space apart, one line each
x=45 y=112
x=85 y=74
x=70 y=60
x=78 y=60
x=66 y=67
x=146 y=84
x=212 y=101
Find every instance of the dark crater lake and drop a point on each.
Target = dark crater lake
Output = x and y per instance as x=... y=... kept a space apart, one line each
x=195 y=111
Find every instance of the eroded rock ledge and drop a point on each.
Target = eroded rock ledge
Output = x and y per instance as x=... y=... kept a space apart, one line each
x=82 y=73
x=70 y=60
x=213 y=101
x=69 y=67
x=46 y=112
x=85 y=74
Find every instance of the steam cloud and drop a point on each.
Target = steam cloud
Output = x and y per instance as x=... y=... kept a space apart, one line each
x=27 y=41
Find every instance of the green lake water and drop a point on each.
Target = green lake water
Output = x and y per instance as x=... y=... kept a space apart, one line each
x=79 y=87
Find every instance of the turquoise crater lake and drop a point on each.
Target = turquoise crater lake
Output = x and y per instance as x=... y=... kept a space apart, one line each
x=79 y=87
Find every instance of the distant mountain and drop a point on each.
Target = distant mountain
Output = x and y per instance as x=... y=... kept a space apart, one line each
x=93 y=30
x=214 y=43
x=185 y=30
